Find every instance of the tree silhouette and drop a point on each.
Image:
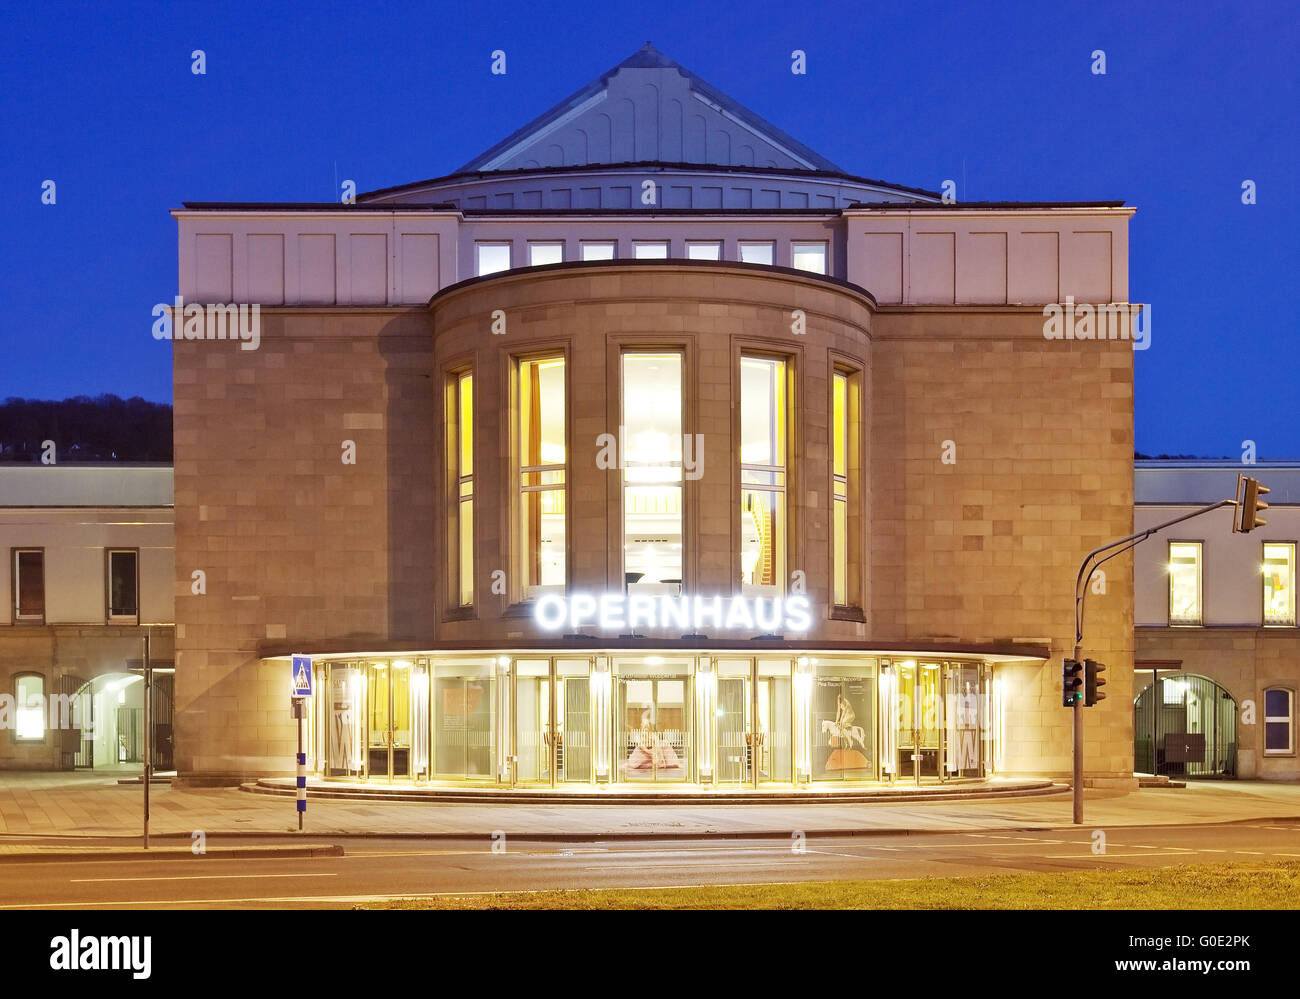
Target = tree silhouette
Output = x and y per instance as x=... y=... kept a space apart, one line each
x=105 y=428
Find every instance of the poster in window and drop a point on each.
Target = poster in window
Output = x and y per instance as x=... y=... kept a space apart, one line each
x=841 y=727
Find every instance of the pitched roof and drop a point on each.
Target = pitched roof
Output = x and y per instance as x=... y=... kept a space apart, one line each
x=661 y=119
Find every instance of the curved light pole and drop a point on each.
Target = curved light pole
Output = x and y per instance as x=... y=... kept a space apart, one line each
x=1094 y=559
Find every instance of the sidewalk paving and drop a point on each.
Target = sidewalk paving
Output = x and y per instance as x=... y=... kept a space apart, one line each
x=62 y=805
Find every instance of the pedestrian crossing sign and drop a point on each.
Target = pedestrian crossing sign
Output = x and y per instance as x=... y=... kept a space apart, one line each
x=302 y=676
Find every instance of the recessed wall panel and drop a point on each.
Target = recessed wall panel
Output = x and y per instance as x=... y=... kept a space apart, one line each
x=369 y=268
x=1033 y=275
x=419 y=267
x=982 y=268
x=214 y=267
x=883 y=276
x=1087 y=277
x=316 y=284
x=933 y=271
x=266 y=268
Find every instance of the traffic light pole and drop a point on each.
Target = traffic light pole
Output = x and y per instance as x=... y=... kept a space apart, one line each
x=1091 y=563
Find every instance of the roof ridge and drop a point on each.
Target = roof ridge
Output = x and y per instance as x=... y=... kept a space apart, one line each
x=649 y=57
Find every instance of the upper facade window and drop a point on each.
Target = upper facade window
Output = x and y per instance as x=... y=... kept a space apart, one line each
x=29 y=585
x=1279 y=584
x=808 y=257
x=704 y=249
x=757 y=252
x=545 y=253
x=543 y=431
x=123 y=585
x=652 y=471
x=764 y=421
x=599 y=250
x=1185 y=582
x=491 y=258
x=650 y=249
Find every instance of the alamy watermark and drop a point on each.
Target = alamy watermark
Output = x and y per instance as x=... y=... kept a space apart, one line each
x=242 y=322
x=651 y=450
x=1115 y=321
x=36 y=713
x=91 y=952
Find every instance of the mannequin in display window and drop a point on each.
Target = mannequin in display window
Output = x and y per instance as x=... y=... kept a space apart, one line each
x=651 y=751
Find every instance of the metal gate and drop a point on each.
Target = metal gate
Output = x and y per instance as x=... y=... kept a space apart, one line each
x=164 y=697
x=1184 y=726
x=75 y=751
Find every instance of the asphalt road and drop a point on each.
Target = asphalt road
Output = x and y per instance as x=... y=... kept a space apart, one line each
x=378 y=868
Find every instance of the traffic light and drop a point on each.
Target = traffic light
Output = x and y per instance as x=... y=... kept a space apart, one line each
x=1091 y=695
x=1071 y=682
x=1251 y=505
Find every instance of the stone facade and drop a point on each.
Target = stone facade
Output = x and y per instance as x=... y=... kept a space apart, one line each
x=311 y=475
x=296 y=544
x=300 y=547
x=988 y=546
x=1245 y=662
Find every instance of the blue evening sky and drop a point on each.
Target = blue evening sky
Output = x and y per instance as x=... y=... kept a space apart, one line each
x=1000 y=97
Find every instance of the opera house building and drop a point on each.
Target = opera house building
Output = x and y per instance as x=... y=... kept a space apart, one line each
x=648 y=449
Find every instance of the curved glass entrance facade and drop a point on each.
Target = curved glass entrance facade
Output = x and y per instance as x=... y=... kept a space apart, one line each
x=730 y=721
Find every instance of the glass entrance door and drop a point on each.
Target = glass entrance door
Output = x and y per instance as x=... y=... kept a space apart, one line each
x=573 y=734
x=344 y=721
x=920 y=711
x=754 y=722
x=774 y=709
x=962 y=709
x=534 y=724
x=388 y=743
x=553 y=721
x=465 y=727
x=734 y=723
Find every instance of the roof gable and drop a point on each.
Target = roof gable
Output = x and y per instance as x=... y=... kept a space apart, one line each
x=648 y=108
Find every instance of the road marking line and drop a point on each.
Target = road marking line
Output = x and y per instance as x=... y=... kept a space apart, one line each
x=420 y=853
x=1251 y=853
x=1109 y=856
x=668 y=863
x=204 y=877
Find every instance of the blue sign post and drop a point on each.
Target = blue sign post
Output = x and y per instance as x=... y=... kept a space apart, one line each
x=302 y=689
x=302 y=679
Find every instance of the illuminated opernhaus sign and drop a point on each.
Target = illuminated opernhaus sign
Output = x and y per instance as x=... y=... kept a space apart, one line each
x=608 y=611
